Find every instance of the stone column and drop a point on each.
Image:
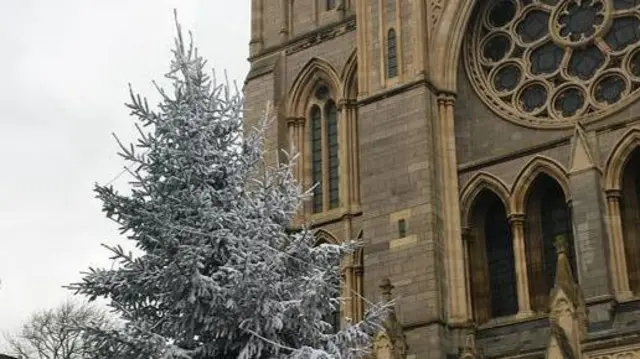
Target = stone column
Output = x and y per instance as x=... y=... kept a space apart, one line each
x=618 y=257
x=520 y=258
x=456 y=276
x=341 y=7
x=284 y=26
x=358 y=271
x=256 y=42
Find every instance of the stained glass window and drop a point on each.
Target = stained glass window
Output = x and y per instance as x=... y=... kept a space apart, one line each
x=334 y=173
x=551 y=62
x=501 y=261
x=316 y=157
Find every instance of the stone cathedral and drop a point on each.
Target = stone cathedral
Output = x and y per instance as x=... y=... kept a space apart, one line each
x=486 y=151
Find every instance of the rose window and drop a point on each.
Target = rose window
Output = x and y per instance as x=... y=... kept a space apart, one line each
x=551 y=62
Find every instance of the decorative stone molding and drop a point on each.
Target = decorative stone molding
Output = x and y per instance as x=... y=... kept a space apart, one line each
x=390 y=343
x=627 y=352
x=479 y=182
x=568 y=311
x=470 y=349
x=537 y=165
x=504 y=52
x=435 y=10
x=324 y=34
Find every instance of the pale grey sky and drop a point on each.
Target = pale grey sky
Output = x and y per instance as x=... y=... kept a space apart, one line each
x=66 y=65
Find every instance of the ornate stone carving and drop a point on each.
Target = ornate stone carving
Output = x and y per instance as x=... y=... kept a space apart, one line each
x=554 y=63
x=391 y=342
x=469 y=349
x=627 y=352
x=435 y=10
x=322 y=35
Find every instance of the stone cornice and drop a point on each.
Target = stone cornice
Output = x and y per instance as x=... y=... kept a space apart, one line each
x=311 y=38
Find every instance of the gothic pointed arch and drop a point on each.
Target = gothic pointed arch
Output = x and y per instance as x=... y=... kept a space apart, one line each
x=324 y=236
x=448 y=35
x=479 y=182
x=316 y=71
x=619 y=157
x=622 y=185
x=491 y=261
x=349 y=77
x=530 y=172
x=541 y=195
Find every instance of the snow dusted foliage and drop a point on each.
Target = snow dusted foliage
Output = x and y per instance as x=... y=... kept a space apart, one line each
x=220 y=273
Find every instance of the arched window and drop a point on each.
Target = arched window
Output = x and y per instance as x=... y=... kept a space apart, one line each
x=392 y=54
x=325 y=163
x=329 y=5
x=630 y=205
x=316 y=156
x=493 y=277
x=547 y=217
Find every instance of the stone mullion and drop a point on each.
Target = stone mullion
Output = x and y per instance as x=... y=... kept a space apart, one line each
x=467 y=240
x=284 y=26
x=358 y=272
x=618 y=257
x=629 y=208
x=326 y=196
x=457 y=296
x=345 y=149
x=520 y=258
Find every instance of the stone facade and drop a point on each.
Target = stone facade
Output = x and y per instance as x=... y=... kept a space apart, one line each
x=423 y=156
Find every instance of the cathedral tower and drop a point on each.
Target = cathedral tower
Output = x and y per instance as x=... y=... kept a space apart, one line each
x=459 y=138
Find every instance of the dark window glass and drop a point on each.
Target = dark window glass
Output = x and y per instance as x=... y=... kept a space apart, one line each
x=580 y=19
x=322 y=93
x=534 y=26
x=501 y=262
x=392 y=54
x=624 y=31
x=496 y=48
x=402 y=228
x=569 y=101
x=609 y=89
x=507 y=78
x=330 y=4
x=634 y=64
x=502 y=13
x=556 y=221
x=625 y=4
x=585 y=62
x=546 y=59
x=334 y=175
x=316 y=157
x=533 y=97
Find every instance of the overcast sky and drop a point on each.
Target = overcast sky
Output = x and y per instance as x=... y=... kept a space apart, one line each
x=65 y=68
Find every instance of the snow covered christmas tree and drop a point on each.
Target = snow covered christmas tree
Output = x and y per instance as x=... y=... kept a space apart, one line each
x=220 y=273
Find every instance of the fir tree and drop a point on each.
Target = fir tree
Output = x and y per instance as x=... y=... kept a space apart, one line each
x=219 y=272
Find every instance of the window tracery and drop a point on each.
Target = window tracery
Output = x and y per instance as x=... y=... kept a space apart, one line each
x=550 y=62
x=324 y=148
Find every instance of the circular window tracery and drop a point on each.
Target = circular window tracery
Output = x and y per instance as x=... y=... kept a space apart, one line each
x=548 y=63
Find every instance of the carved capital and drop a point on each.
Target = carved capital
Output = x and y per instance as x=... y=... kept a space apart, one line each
x=466 y=235
x=446 y=99
x=516 y=218
x=358 y=270
x=345 y=104
x=295 y=121
x=614 y=193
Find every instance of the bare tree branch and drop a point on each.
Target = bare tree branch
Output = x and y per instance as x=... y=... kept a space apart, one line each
x=56 y=333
